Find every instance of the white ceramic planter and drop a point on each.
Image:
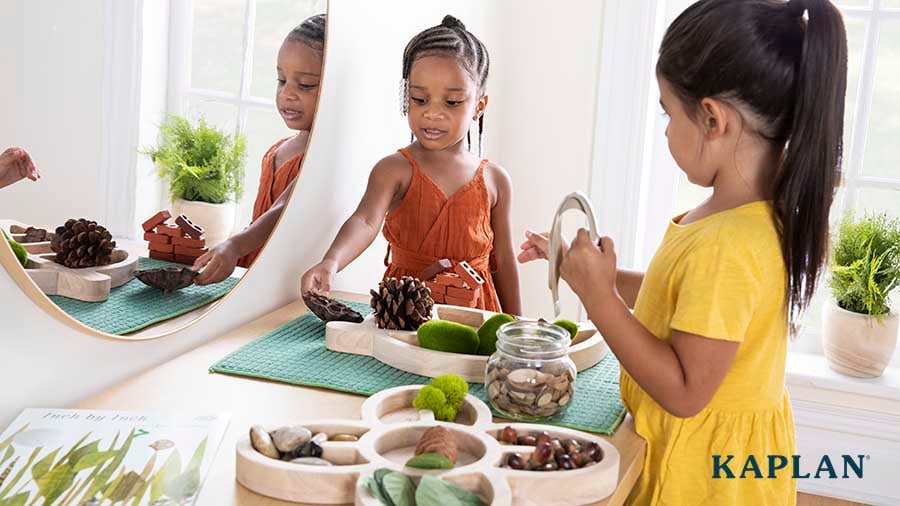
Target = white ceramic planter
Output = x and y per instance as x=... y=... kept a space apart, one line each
x=216 y=219
x=857 y=344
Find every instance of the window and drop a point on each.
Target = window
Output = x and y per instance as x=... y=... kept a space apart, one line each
x=872 y=125
x=223 y=69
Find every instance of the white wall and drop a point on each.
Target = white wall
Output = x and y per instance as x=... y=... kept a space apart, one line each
x=51 y=101
x=543 y=105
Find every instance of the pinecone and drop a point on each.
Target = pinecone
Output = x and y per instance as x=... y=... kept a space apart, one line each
x=82 y=243
x=402 y=304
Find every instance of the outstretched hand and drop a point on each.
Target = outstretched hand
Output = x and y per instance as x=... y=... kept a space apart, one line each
x=15 y=165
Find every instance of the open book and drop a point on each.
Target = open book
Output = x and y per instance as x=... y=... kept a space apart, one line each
x=89 y=457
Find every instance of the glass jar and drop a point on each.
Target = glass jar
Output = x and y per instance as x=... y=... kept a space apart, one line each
x=530 y=376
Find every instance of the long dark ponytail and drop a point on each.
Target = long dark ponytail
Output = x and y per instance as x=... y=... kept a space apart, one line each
x=790 y=74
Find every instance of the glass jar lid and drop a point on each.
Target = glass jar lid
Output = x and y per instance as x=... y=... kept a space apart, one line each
x=533 y=340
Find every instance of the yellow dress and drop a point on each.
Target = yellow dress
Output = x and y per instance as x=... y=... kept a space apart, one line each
x=721 y=277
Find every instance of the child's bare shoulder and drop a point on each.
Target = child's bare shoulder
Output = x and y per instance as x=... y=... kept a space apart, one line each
x=498 y=182
x=393 y=169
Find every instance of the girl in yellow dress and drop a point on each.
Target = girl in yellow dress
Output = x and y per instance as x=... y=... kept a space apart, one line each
x=755 y=96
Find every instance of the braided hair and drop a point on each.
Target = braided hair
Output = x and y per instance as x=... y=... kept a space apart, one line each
x=310 y=32
x=450 y=38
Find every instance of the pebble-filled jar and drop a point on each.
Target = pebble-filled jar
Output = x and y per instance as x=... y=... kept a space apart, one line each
x=530 y=376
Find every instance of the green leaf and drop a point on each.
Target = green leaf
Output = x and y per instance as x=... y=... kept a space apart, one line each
x=17 y=500
x=53 y=484
x=379 y=494
x=21 y=472
x=197 y=458
x=100 y=482
x=77 y=455
x=43 y=465
x=93 y=459
x=436 y=492
x=74 y=447
x=8 y=455
x=381 y=473
x=127 y=486
x=399 y=488
x=111 y=487
x=169 y=471
x=430 y=461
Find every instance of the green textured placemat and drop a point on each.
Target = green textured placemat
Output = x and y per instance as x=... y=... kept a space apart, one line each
x=295 y=353
x=134 y=305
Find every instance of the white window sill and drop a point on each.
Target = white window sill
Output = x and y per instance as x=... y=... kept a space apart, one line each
x=811 y=371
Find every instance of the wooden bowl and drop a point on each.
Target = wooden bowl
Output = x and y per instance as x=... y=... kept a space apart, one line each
x=388 y=439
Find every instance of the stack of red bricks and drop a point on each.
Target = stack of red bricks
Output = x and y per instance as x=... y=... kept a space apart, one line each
x=181 y=242
x=460 y=285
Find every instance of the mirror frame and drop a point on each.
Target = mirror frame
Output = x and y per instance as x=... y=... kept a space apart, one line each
x=11 y=264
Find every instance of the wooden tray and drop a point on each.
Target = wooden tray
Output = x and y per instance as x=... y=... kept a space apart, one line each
x=400 y=349
x=91 y=284
x=388 y=432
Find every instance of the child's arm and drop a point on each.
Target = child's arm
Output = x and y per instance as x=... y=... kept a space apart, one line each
x=220 y=261
x=507 y=276
x=628 y=283
x=361 y=228
x=681 y=375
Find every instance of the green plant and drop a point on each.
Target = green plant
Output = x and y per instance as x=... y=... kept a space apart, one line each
x=865 y=263
x=444 y=396
x=200 y=163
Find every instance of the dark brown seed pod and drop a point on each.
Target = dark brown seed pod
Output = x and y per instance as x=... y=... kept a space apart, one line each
x=167 y=279
x=330 y=310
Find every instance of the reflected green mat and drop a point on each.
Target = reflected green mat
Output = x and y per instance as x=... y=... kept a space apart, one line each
x=295 y=353
x=134 y=305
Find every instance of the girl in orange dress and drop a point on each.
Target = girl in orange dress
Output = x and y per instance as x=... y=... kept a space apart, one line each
x=434 y=198
x=299 y=71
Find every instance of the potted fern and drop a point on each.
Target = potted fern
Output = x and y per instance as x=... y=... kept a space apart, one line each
x=204 y=169
x=859 y=328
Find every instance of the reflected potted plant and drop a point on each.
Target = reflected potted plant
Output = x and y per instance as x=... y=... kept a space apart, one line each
x=859 y=329
x=204 y=169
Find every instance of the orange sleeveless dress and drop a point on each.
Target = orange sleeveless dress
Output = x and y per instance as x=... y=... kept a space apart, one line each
x=428 y=226
x=272 y=183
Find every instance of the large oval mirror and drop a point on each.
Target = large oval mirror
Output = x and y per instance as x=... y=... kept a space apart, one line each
x=163 y=140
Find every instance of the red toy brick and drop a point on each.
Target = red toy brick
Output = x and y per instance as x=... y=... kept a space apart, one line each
x=438 y=298
x=156 y=255
x=169 y=230
x=157 y=219
x=161 y=247
x=450 y=279
x=436 y=288
x=189 y=252
x=189 y=242
x=157 y=238
x=462 y=293
x=453 y=301
x=189 y=227
x=468 y=274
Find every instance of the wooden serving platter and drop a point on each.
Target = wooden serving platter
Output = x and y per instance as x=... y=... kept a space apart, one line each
x=91 y=284
x=400 y=349
x=389 y=431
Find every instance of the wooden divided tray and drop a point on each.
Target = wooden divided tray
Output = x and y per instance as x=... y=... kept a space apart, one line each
x=400 y=349
x=91 y=284
x=388 y=433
